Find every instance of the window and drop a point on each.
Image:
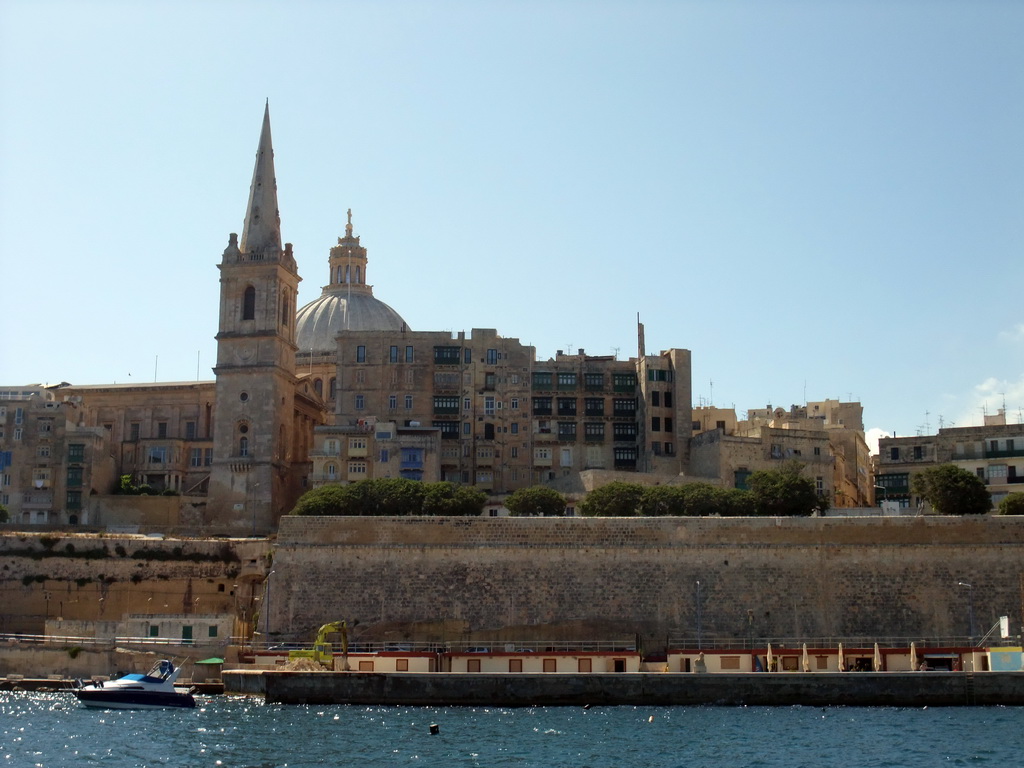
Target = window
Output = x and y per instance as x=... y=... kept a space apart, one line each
x=567 y=430
x=593 y=431
x=410 y=356
x=393 y=354
x=446 y=404
x=467 y=428
x=515 y=665
x=334 y=388
x=656 y=375
x=446 y=355
x=730 y=662
x=593 y=406
x=243 y=446
x=133 y=431
x=43 y=451
x=212 y=631
x=542 y=454
x=196 y=457
x=624 y=382
x=593 y=380
x=541 y=380
x=720 y=425
x=401 y=665
x=154 y=630
x=384 y=456
x=190 y=430
x=74 y=476
x=656 y=398
x=366 y=666
x=514 y=403
x=17 y=433
x=918 y=452
x=249 y=304
x=819 y=484
x=392 y=401
x=357 y=468
x=467 y=404
x=668 y=399
x=207 y=457
x=74 y=500
x=360 y=402
x=542 y=406
x=550 y=665
x=467 y=355
x=566 y=380
x=625 y=431
x=894 y=454
x=472 y=665
x=668 y=424
x=514 y=428
x=817 y=450
x=161 y=430
x=318 y=387
x=408 y=402
x=158 y=454
x=655 y=424
x=488 y=406
x=624 y=406
x=492 y=357
x=361 y=354
x=514 y=452
x=567 y=406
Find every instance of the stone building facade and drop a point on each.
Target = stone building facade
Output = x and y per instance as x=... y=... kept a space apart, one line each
x=994 y=452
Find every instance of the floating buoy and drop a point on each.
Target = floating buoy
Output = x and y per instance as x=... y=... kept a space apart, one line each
x=587 y=706
x=434 y=729
x=650 y=719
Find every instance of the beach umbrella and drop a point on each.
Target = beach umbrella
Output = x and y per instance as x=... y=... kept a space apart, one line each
x=807 y=660
x=913 y=657
x=842 y=661
x=878 y=659
x=768 y=657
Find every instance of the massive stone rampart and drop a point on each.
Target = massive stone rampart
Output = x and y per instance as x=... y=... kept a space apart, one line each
x=549 y=578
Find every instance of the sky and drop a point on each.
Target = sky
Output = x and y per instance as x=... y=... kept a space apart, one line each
x=818 y=199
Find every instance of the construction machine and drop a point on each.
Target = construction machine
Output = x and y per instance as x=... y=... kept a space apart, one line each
x=322 y=652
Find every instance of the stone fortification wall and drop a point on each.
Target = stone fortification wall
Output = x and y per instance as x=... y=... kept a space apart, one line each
x=101 y=578
x=549 y=578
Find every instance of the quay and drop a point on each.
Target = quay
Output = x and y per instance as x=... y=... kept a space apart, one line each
x=891 y=689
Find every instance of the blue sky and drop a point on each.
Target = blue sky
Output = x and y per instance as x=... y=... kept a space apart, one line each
x=819 y=199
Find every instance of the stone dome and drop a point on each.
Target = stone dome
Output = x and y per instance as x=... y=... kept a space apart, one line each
x=340 y=309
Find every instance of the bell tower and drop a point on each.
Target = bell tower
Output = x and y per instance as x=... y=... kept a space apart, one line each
x=251 y=478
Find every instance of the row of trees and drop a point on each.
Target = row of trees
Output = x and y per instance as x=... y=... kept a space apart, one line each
x=782 y=492
x=387 y=496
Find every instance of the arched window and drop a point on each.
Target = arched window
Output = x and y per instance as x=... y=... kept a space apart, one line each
x=332 y=471
x=318 y=385
x=249 y=304
x=243 y=446
x=284 y=309
x=347 y=273
x=358 y=279
x=334 y=388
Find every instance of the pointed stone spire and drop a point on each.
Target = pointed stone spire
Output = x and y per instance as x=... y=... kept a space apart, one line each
x=262 y=230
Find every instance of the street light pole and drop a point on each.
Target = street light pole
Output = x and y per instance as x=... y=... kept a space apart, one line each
x=699 y=617
x=266 y=610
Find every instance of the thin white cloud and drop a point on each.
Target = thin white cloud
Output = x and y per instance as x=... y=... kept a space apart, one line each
x=1014 y=335
x=872 y=436
x=988 y=397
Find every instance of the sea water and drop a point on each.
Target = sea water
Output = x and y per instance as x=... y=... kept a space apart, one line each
x=52 y=729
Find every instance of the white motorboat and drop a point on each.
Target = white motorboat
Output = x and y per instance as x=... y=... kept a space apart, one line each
x=154 y=690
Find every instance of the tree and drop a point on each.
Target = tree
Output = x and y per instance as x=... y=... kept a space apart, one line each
x=445 y=498
x=783 y=491
x=538 y=500
x=663 y=500
x=952 y=491
x=328 y=500
x=396 y=496
x=1011 y=505
x=615 y=499
x=4 y=514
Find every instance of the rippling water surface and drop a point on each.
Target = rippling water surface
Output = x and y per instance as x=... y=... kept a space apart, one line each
x=52 y=729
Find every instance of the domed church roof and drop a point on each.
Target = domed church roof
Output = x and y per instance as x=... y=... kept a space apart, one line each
x=347 y=302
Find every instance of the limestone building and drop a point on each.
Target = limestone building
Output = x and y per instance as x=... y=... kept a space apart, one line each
x=994 y=452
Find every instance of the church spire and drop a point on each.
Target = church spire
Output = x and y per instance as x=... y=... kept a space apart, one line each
x=262 y=229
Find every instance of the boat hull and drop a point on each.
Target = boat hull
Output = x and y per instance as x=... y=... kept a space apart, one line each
x=112 y=699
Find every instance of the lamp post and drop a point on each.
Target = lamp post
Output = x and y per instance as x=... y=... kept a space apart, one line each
x=970 y=606
x=750 y=628
x=699 y=617
x=266 y=609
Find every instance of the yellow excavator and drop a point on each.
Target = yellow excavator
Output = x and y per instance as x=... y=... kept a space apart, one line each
x=322 y=652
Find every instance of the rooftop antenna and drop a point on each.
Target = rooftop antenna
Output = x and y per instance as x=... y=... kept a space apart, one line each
x=927 y=424
x=711 y=399
x=569 y=347
x=198 y=352
x=156 y=366
x=615 y=351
